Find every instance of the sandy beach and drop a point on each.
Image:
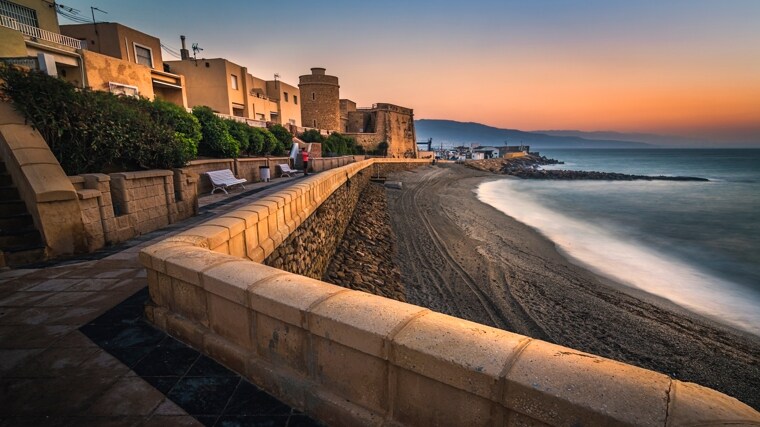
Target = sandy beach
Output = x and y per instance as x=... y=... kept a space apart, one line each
x=462 y=257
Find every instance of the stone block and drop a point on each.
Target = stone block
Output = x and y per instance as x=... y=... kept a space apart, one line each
x=189 y=262
x=48 y=183
x=361 y=321
x=214 y=235
x=282 y=344
x=251 y=239
x=356 y=376
x=334 y=410
x=261 y=211
x=692 y=404
x=224 y=248
x=560 y=386
x=231 y=280
x=250 y=218
x=462 y=354
x=189 y=301
x=288 y=297
x=225 y=352
x=230 y=320
x=34 y=155
x=191 y=333
x=237 y=246
x=234 y=225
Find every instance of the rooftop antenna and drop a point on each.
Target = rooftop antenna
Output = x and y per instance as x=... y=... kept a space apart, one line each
x=196 y=49
x=95 y=24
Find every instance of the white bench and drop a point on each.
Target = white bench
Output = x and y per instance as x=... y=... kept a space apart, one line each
x=286 y=170
x=223 y=179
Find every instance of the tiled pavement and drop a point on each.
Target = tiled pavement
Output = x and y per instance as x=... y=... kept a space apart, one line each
x=75 y=350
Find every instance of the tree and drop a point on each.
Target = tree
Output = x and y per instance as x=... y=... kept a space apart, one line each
x=312 y=135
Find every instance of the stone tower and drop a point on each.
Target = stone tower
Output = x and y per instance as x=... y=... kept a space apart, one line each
x=320 y=100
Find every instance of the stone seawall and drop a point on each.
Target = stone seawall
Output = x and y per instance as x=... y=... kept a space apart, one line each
x=308 y=250
x=351 y=358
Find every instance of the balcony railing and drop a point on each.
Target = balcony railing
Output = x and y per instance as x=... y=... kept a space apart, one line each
x=39 y=33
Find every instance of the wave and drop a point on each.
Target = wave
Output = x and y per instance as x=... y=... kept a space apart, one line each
x=613 y=254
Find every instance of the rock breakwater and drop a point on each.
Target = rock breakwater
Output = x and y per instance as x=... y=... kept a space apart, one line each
x=364 y=258
x=528 y=167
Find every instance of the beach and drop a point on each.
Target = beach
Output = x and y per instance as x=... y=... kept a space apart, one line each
x=462 y=257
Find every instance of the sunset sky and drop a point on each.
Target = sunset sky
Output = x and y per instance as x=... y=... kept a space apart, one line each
x=686 y=67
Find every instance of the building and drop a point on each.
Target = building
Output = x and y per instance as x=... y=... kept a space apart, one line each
x=383 y=122
x=322 y=108
x=30 y=37
x=139 y=69
x=229 y=89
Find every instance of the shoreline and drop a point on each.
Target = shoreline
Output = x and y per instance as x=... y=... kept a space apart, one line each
x=465 y=258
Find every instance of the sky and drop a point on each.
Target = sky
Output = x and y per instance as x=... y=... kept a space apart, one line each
x=681 y=67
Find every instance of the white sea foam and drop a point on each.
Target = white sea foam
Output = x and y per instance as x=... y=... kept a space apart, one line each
x=612 y=254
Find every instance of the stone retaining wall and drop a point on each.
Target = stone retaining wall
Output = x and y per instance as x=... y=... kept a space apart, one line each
x=351 y=358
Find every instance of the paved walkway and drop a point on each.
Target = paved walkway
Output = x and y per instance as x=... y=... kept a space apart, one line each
x=74 y=349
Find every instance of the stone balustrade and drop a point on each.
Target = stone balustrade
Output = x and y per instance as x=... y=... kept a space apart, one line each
x=352 y=358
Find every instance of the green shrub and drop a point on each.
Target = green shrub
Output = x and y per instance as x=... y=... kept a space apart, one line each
x=186 y=126
x=339 y=145
x=312 y=135
x=216 y=140
x=241 y=132
x=93 y=131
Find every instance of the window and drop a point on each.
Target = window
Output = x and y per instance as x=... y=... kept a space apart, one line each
x=23 y=15
x=123 y=89
x=292 y=121
x=315 y=123
x=286 y=96
x=313 y=96
x=143 y=55
x=295 y=99
x=233 y=81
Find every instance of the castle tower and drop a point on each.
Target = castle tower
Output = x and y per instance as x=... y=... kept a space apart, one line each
x=320 y=101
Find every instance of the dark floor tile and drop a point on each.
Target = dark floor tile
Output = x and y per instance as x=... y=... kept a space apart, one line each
x=207 y=367
x=163 y=361
x=303 y=421
x=207 y=421
x=162 y=384
x=252 y=421
x=139 y=298
x=203 y=396
x=122 y=336
x=130 y=355
x=251 y=400
x=127 y=315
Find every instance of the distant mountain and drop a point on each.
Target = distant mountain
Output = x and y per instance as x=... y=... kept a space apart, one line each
x=453 y=133
x=649 y=138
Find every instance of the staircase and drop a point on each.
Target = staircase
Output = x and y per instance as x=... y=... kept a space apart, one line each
x=20 y=242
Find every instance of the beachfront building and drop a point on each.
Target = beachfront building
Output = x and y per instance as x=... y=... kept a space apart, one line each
x=228 y=89
x=125 y=61
x=322 y=108
x=31 y=37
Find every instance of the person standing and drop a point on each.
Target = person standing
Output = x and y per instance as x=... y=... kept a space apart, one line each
x=305 y=158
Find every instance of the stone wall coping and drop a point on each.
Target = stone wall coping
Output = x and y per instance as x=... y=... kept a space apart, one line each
x=284 y=159
x=76 y=179
x=153 y=173
x=99 y=177
x=209 y=161
x=88 y=194
x=510 y=373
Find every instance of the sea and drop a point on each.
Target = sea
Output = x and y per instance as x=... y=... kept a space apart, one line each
x=696 y=244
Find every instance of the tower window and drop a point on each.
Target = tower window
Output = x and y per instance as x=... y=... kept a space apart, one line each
x=315 y=123
x=286 y=96
x=313 y=96
x=295 y=99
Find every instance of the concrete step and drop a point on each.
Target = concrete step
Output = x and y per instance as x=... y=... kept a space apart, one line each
x=9 y=192
x=15 y=221
x=23 y=255
x=12 y=207
x=19 y=237
x=5 y=179
x=3 y=169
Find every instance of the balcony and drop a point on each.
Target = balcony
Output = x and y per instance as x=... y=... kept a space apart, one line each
x=40 y=34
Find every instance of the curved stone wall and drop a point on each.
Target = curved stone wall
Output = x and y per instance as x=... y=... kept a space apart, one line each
x=352 y=358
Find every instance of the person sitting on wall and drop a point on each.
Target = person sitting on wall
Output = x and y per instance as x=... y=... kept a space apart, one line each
x=305 y=158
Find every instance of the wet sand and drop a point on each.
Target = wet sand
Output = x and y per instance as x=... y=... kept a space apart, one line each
x=462 y=257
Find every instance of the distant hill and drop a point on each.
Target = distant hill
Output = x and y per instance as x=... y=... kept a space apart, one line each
x=649 y=138
x=452 y=133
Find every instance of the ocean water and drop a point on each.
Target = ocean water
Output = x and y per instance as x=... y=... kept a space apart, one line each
x=694 y=243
